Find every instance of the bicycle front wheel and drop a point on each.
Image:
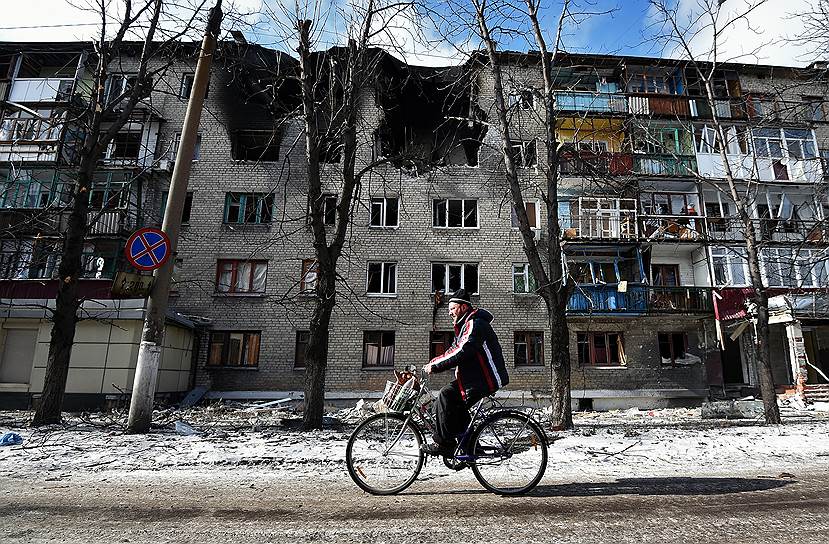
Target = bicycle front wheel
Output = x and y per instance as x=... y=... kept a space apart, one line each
x=510 y=453
x=384 y=454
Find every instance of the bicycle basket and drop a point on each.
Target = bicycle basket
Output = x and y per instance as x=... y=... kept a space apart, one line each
x=397 y=397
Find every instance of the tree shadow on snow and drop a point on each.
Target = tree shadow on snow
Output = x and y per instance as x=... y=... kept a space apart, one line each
x=660 y=486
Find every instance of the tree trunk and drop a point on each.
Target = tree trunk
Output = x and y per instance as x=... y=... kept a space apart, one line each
x=316 y=355
x=562 y=414
x=65 y=317
x=764 y=373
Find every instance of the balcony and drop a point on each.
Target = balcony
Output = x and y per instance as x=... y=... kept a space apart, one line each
x=659 y=104
x=586 y=163
x=654 y=164
x=41 y=89
x=585 y=101
x=610 y=225
x=640 y=299
x=728 y=229
x=671 y=227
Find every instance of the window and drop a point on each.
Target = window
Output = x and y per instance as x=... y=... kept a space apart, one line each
x=186 y=85
x=330 y=210
x=384 y=212
x=254 y=208
x=665 y=275
x=382 y=279
x=523 y=99
x=729 y=266
x=256 y=145
x=185 y=212
x=125 y=146
x=116 y=85
x=378 y=349
x=600 y=349
x=24 y=126
x=655 y=82
x=523 y=153
x=523 y=280
x=672 y=346
x=232 y=348
x=177 y=140
x=799 y=144
x=533 y=214
x=302 y=338
x=20 y=188
x=760 y=105
x=779 y=267
x=767 y=142
x=717 y=214
x=109 y=191
x=236 y=276
x=449 y=277
x=455 y=213
x=529 y=348
x=814 y=109
x=439 y=342
x=310 y=270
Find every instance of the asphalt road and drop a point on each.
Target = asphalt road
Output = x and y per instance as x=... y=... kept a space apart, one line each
x=239 y=505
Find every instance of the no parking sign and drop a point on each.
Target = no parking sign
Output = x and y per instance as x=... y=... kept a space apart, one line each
x=148 y=249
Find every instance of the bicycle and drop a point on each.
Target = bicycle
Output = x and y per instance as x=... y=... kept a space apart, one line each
x=505 y=448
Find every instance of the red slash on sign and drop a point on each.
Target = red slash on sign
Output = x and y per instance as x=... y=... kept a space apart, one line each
x=148 y=249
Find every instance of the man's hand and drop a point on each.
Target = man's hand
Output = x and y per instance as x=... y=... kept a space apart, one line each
x=427 y=368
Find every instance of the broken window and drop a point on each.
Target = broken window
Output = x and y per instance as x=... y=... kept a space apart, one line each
x=384 y=212
x=533 y=214
x=378 y=349
x=665 y=275
x=760 y=106
x=600 y=349
x=529 y=348
x=330 y=210
x=439 y=342
x=177 y=140
x=523 y=99
x=729 y=266
x=308 y=278
x=125 y=146
x=234 y=348
x=449 y=277
x=185 y=211
x=256 y=145
x=382 y=279
x=186 y=86
x=109 y=191
x=302 y=338
x=523 y=152
x=251 y=208
x=118 y=84
x=815 y=109
x=523 y=280
x=238 y=276
x=672 y=346
x=455 y=213
x=29 y=188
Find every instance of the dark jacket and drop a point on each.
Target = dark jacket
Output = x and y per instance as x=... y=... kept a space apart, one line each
x=476 y=356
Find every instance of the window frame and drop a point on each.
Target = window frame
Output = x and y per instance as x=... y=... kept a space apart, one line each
x=233 y=287
x=536 y=217
x=528 y=278
x=308 y=267
x=245 y=346
x=434 y=340
x=522 y=147
x=537 y=341
x=380 y=345
x=670 y=335
x=300 y=365
x=186 y=211
x=177 y=140
x=271 y=150
x=384 y=266
x=383 y=201
x=591 y=342
x=446 y=202
x=260 y=201
x=446 y=268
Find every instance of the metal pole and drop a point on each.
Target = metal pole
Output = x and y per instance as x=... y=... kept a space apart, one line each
x=152 y=337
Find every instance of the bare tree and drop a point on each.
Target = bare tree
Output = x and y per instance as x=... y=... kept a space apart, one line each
x=98 y=118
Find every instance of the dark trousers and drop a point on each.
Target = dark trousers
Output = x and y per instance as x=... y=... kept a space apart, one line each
x=451 y=414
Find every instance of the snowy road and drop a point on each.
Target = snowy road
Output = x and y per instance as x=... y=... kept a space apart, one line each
x=663 y=476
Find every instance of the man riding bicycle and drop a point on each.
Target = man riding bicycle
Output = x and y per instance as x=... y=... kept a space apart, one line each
x=479 y=367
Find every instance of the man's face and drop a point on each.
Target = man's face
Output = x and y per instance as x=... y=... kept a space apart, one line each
x=457 y=310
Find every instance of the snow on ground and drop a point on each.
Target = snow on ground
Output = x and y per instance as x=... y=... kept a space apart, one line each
x=665 y=442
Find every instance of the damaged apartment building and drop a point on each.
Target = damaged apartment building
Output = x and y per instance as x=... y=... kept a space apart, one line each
x=658 y=316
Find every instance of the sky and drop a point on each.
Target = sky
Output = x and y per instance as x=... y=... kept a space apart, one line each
x=622 y=27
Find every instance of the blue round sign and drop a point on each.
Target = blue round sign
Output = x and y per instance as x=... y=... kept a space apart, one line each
x=148 y=249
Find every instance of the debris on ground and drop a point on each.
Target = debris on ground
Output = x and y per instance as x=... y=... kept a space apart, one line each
x=11 y=439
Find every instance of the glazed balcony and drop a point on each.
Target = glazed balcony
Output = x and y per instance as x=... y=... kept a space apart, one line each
x=589 y=102
x=29 y=90
x=653 y=164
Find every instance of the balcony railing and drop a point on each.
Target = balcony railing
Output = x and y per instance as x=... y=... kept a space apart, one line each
x=768 y=230
x=639 y=299
x=659 y=104
x=586 y=163
x=30 y=130
x=671 y=227
x=609 y=225
x=653 y=164
x=110 y=222
x=585 y=101
x=41 y=90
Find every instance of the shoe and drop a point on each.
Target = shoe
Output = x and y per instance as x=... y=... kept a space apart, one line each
x=434 y=448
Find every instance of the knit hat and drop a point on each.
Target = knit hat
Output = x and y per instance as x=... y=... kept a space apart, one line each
x=460 y=297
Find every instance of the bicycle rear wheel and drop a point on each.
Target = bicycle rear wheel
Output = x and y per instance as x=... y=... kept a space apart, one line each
x=384 y=454
x=510 y=453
